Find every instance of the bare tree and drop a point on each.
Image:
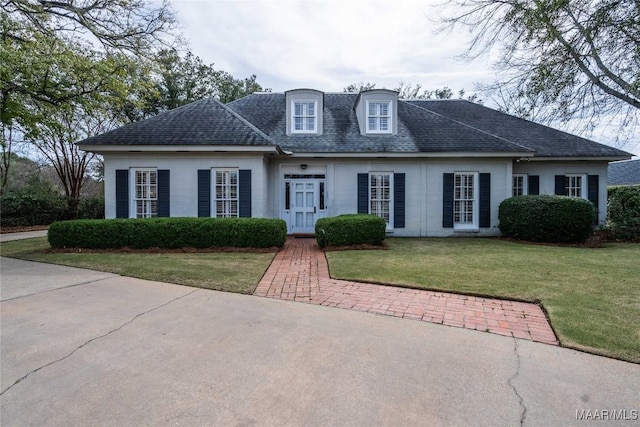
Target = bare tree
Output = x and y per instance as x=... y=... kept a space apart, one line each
x=576 y=60
x=7 y=149
x=411 y=91
x=55 y=142
x=135 y=26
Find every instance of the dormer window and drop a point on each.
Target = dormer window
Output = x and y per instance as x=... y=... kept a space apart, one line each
x=304 y=112
x=304 y=118
x=379 y=117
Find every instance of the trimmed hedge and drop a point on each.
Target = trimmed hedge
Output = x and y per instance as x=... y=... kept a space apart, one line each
x=91 y=208
x=624 y=212
x=168 y=233
x=547 y=218
x=23 y=209
x=26 y=209
x=353 y=229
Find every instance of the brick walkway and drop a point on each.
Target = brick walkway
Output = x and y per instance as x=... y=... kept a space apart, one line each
x=299 y=272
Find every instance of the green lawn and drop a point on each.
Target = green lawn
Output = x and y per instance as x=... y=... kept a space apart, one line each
x=231 y=272
x=592 y=296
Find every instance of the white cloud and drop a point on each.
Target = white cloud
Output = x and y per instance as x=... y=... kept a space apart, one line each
x=328 y=44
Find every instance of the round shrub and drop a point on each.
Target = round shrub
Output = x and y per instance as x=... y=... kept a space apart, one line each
x=547 y=218
x=624 y=212
x=353 y=229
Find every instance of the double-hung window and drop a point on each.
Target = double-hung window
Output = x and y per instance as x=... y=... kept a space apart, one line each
x=379 y=117
x=145 y=193
x=380 y=195
x=519 y=185
x=304 y=118
x=574 y=185
x=465 y=200
x=226 y=193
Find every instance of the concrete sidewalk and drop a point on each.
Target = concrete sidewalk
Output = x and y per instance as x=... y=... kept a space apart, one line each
x=123 y=351
x=8 y=237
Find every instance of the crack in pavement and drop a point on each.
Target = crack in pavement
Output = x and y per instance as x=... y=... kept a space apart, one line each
x=523 y=416
x=94 y=339
x=59 y=288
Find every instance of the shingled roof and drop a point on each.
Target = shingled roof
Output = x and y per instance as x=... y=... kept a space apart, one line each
x=626 y=172
x=424 y=126
x=419 y=130
x=204 y=122
x=544 y=140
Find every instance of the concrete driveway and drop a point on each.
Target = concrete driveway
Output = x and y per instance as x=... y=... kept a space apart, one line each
x=85 y=348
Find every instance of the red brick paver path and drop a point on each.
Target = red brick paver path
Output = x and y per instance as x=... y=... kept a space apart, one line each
x=299 y=272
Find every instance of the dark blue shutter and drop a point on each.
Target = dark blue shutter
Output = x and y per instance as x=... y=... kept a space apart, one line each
x=447 y=200
x=534 y=184
x=204 y=192
x=244 y=193
x=593 y=188
x=122 y=193
x=398 y=200
x=560 y=187
x=485 y=200
x=363 y=193
x=164 y=199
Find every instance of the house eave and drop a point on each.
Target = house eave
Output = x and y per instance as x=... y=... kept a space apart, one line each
x=100 y=149
x=450 y=154
x=578 y=158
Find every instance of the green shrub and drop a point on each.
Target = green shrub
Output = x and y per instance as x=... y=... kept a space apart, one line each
x=354 y=229
x=547 y=218
x=624 y=212
x=26 y=208
x=91 y=208
x=168 y=233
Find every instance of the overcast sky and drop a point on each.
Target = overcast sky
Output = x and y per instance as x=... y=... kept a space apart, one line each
x=328 y=44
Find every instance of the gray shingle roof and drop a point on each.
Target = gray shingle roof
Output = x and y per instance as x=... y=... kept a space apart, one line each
x=204 y=122
x=419 y=130
x=424 y=126
x=626 y=172
x=546 y=141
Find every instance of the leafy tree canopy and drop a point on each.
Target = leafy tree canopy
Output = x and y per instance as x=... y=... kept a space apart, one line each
x=177 y=80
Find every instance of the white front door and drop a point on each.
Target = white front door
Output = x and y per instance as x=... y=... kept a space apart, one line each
x=304 y=205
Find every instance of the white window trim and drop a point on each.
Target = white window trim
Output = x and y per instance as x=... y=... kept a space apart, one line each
x=525 y=183
x=391 y=195
x=133 y=202
x=214 y=193
x=390 y=116
x=293 y=116
x=583 y=186
x=475 y=225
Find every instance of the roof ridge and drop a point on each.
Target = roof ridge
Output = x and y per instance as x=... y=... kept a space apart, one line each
x=467 y=125
x=243 y=120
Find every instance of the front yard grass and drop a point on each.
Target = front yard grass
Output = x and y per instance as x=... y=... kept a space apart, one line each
x=592 y=296
x=225 y=271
